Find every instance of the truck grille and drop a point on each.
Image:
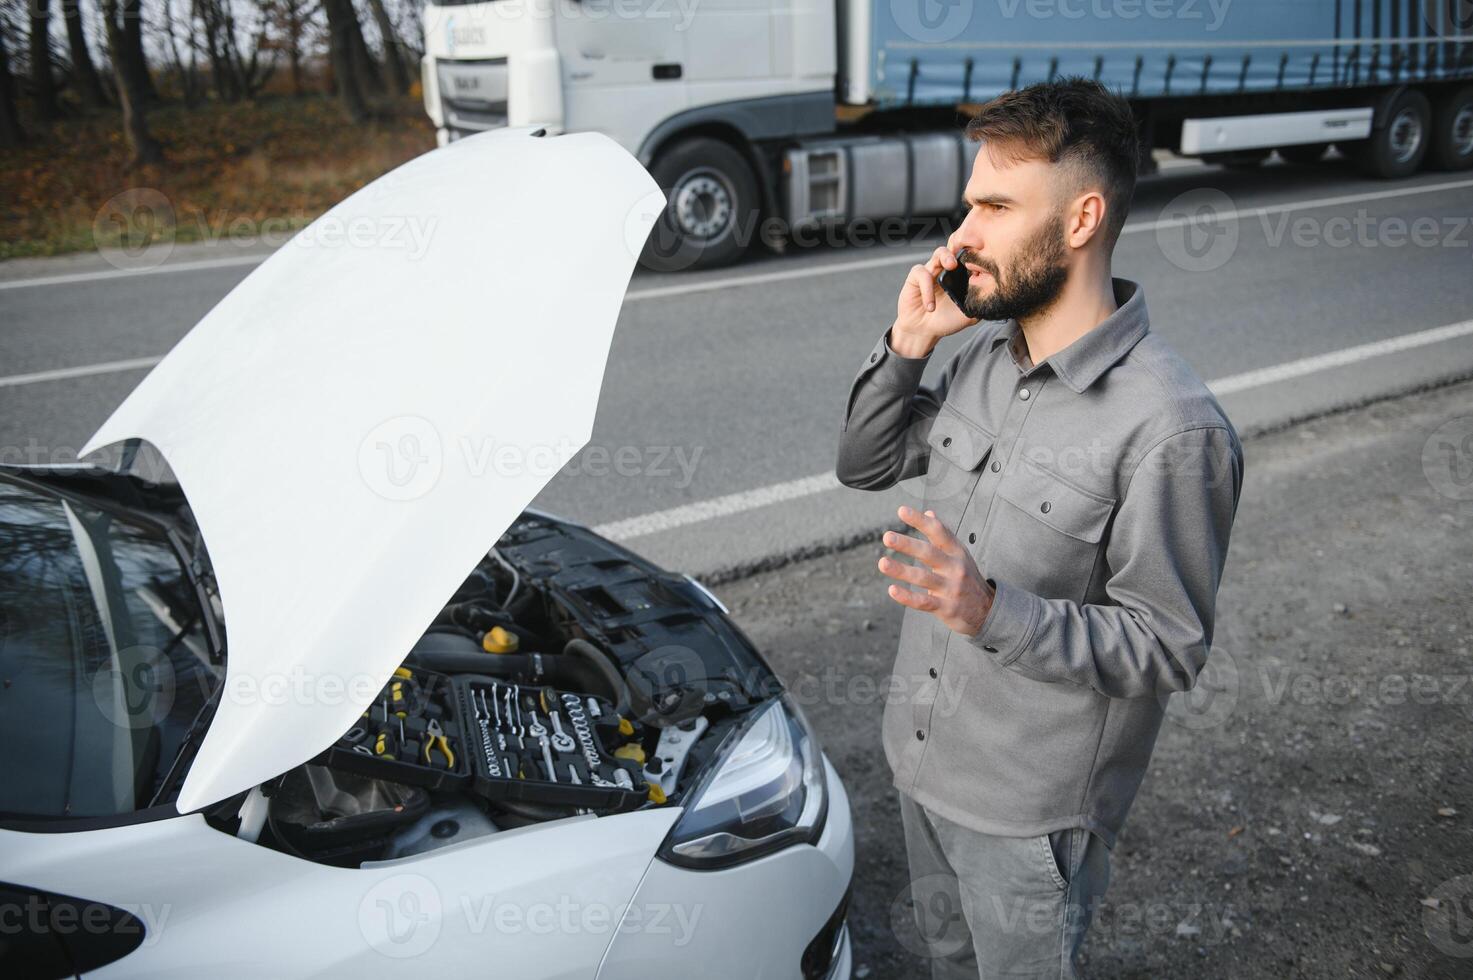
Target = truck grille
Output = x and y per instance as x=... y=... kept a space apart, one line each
x=472 y=95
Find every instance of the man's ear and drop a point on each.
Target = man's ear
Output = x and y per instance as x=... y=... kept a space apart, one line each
x=1084 y=219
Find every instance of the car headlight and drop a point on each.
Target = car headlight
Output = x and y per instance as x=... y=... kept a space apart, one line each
x=765 y=791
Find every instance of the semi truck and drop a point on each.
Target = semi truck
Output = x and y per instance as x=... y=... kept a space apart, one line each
x=769 y=120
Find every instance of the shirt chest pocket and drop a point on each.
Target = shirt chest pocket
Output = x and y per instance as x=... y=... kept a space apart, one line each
x=959 y=449
x=1046 y=533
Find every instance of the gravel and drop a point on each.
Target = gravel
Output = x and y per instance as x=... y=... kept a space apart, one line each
x=1307 y=812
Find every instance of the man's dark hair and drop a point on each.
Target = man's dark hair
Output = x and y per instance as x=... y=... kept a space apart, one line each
x=1071 y=121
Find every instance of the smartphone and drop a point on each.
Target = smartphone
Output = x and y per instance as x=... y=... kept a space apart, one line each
x=954 y=282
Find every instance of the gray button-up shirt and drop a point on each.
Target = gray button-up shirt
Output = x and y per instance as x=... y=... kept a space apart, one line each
x=1097 y=491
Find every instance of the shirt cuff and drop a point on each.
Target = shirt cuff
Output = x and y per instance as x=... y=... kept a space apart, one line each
x=891 y=370
x=1010 y=623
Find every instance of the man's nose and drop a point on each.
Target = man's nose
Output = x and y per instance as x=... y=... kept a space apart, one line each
x=967 y=235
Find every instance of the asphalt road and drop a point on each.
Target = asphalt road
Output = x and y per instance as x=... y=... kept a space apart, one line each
x=1293 y=290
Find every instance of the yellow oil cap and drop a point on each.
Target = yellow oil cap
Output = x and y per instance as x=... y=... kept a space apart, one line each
x=625 y=728
x=632 y=751
x=499 y=640
x=657 y=795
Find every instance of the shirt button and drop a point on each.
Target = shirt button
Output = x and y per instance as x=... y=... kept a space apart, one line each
x=946 y=441
x=920 y=735
x=1045 y=506
x=990 y=649
x=932 y=672
x=1023 y=393
x=972 y=538
x=873 y=358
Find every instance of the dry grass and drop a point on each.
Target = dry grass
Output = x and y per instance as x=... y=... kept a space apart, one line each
x=230 y=171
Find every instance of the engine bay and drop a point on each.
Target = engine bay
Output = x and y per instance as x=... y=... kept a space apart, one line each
x=566 y=676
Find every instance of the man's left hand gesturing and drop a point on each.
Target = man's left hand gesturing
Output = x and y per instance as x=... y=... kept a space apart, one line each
x=951 y=586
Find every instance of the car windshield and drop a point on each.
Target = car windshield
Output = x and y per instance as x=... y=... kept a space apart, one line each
x=104 y=657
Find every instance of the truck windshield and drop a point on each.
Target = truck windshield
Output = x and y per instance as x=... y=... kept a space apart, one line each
x=103 y=656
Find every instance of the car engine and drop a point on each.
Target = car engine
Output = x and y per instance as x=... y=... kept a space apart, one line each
x=565 y=676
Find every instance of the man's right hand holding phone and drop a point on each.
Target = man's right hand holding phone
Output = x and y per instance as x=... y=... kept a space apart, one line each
x=924 y=313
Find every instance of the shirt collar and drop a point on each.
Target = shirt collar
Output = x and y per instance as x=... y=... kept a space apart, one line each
x=1081 y=363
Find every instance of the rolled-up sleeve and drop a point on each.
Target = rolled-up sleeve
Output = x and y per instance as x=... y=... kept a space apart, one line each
x=1166 y=554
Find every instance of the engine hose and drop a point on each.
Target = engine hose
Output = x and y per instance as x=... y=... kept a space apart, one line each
x=594 y=657
x=494 y=664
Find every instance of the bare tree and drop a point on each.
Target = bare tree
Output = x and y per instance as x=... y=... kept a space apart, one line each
x=412 y=32
x=393 y=49
x=364 y=65
x=342 y=24
x=186 y=72
x=291 y=17
x=43 y=83
x=84 y=73
x=11 y=133
x=145 y=149
x=133 y=47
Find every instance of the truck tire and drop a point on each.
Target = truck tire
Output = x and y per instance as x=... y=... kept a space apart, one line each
x=712 y=209
x=1304 y=154
x=1398 y=144
x=1452 y=131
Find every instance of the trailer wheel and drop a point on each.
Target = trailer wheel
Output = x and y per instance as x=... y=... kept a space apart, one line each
x=712 y=207
x=1304 y=154
x=1396 y=149
x=1452 y=131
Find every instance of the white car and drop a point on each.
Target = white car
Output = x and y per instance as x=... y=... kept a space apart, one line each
x=326 y=697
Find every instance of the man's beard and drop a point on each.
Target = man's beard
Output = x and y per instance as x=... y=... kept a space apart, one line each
x=1035 y=277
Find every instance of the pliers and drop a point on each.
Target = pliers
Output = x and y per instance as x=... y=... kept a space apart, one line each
x=435 y=740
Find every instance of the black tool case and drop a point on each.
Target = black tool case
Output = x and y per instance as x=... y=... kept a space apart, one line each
x=505 y=726
x=420 y=697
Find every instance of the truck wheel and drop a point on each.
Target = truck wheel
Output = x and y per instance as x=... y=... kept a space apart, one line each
x=1304 y=154
x=1452 y=131
x=711 y=211
x=1398 y=147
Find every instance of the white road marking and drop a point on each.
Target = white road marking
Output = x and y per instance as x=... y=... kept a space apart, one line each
x=1289 y=370
x=81 y=371
x=71 y=278
x=736 y=503
x=729 y=282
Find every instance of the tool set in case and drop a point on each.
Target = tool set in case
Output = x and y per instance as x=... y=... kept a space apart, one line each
x=408 y=735
x=537 y=744
x=496 y=739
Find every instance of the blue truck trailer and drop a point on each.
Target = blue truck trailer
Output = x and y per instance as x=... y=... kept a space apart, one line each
x=779 y=120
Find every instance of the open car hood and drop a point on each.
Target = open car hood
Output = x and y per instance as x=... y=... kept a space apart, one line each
x=360 y=419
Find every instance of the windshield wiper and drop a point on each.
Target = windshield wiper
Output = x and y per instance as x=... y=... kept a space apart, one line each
x=188 y=745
